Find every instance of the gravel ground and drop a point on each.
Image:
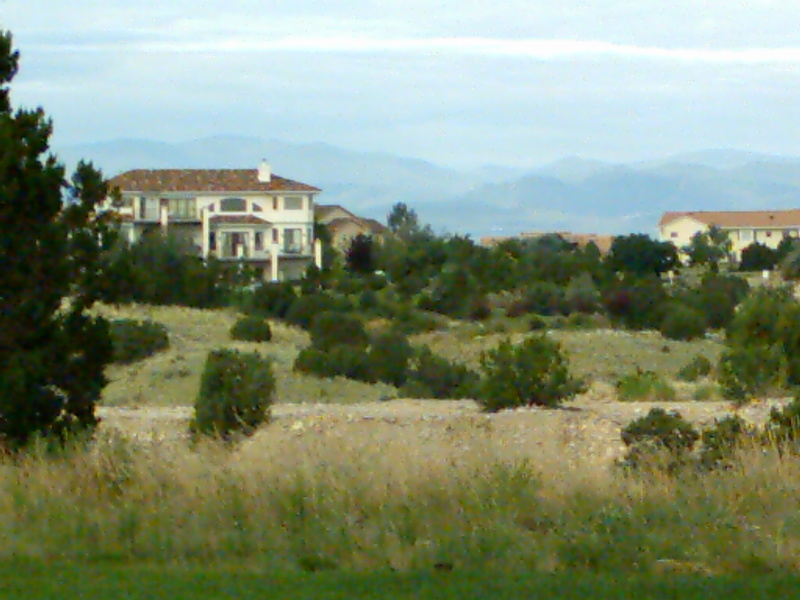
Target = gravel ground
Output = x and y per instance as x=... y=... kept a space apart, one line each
x=583 y=434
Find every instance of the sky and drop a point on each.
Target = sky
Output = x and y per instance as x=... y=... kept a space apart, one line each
x=460 y=83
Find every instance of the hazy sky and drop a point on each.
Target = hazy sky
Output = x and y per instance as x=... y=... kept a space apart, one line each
x=457 y=82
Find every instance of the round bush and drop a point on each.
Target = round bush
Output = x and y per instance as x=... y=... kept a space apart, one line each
x=746 y=372
x=251 y=329
x=389 y=357
x=134 y=340
x=306 y=308
x=272 y=299
x=236 y=393
x=696 y=368
x=337 y=329
x=644 y=385
x=532 y=373
x=683 y=322
x=433 y=376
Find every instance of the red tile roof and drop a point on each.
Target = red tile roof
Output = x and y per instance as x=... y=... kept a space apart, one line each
x=238 y=220
x=204 y=180
x=741 y=218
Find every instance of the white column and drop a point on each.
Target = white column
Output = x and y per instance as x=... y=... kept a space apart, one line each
x=163 y=215
x=206 y=231
x=318 y=253
x=274 y=261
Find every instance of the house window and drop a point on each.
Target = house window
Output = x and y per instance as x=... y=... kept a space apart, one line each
x=745 y=235
x=233 y=205
x=259 y=241
x=274 y=203
x=291 y=240
x=182 y=208
x=257 y=207
x=275 y=236
x=212 y=240
x=293 y=203
x=674 y=234
x=769 y=234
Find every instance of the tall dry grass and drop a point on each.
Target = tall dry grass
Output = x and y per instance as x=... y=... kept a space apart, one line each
x=328 y=501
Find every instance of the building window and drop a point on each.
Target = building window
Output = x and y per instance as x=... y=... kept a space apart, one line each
x=293 y=203
x=274 y=203
x=182 y=208
x=259 y=241
x=674 y=234
x=745 y=235
x=275 y=239
x=212 y=240
x=233 y=205
x=291 y=240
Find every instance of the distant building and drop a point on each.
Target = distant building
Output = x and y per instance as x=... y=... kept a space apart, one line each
x=767 y=227
x=603 y=242
x=343 y=225
x=247 y=215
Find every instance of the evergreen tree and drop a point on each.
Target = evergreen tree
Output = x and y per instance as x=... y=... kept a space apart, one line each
x=52 y=354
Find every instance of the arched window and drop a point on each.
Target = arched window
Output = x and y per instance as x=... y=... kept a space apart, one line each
x=233 y=205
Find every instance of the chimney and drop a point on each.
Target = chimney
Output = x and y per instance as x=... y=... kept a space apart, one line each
x=264 y=172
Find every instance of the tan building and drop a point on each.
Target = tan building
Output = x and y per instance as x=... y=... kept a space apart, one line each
x=246 y=215
x=603 y=242
x=344 y=225
x=743 y=227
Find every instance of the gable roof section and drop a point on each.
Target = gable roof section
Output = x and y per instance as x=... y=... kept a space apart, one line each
x=204 y=180
x=238 y=220
x=736 y=219
x=324 y=212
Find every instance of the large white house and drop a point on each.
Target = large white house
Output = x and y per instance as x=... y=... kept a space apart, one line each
x=767 y=227
x=247 y=215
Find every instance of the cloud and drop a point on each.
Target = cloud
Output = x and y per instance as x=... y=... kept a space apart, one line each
x=534 y=49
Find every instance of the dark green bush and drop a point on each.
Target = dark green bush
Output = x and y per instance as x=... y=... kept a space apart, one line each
x=717 y=297
x=134 y=340
x=747 y=372
x=337 y=361
x=783 y=425
x=720 y=442
x=644 y=385
x=682 y=322
x=660 y=439
x=251 y=329
x=235 y=396
x=534 y=372
x=544 y=298
x=537 y=323
x=330 y=329
x=272 y=299
x=390 y=356
x=696 y=368
x=432 y=376
x=305 y=308
x=637 y=304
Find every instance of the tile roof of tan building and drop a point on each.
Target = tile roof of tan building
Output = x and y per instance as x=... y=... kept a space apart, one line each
x=204 y=180
x=736 y=219
x=239 y=220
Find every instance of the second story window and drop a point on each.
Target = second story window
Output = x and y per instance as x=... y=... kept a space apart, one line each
x=293 y=203
x=182 y=208
x=233 y=205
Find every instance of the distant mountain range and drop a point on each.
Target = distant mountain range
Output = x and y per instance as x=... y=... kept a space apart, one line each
x=572 y=194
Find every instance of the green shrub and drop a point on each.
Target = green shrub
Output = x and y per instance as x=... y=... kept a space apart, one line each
x=273 y=299
x=303 y=311
x=720 y=442
x=134 y=340
x=337 y=361
x=432 y=376
x=251 y=329
x=390 y=356
x=235 y=396
x=660 y=439
x=537 y=323
x=717 y=297
x=783 y=425
x=746 y=372
x=544 y=298
x=682 y=322
x=644 y=385
x=705 y=392
x=532 y=373
x=330 y=329
x=637 y=304
x=790 y=265
x=696 y=368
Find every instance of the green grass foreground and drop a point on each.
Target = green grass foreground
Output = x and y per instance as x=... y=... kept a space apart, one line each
x=41 y=581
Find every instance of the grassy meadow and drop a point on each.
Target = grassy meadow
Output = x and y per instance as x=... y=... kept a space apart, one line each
x=384 y=508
